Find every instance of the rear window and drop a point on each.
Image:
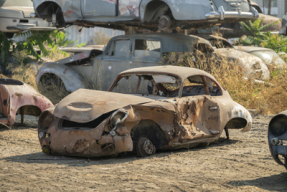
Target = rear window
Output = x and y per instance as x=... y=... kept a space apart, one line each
x=147 y=48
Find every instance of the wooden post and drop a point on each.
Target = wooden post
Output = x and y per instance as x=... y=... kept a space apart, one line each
x=269 y=7
x=22 y=114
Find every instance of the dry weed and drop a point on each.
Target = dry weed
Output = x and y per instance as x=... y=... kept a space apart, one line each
x=53 y=88
x=21 y=70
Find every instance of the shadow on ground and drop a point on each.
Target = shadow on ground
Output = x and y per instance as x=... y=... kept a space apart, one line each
x=42 y=158
x=271 y=183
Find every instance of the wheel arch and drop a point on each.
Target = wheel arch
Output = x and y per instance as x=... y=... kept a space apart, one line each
x=153 y=9
x=236 y=123
x=47 y=8
x=152 y=130
x=179 y=9
x=32 y=110
x=70 y=78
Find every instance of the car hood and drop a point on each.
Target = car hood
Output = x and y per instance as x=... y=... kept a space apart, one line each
x=85 y=105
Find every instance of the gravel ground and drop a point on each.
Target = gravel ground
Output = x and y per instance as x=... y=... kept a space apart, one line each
x=243 y=163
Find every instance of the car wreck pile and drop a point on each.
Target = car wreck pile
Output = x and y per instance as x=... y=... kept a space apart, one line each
x=140 y=104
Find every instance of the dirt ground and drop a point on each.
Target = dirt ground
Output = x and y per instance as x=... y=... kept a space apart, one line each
x=240 y=164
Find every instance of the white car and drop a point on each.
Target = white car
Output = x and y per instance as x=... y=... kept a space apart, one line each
x=18 y=15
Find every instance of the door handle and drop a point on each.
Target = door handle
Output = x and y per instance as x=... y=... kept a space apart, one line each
x=213 y=108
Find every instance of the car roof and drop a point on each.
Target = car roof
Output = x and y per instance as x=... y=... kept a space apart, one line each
x=172 y=42
x=182 y=72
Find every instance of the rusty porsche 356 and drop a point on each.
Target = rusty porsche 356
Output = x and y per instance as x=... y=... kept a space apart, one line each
x=167 y=107
x=277 y=136
x=19 y=98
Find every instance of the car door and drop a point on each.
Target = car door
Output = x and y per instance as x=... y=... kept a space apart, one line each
x=98 y=8
x=115 y=59
x=146 y=52
x=199 y=112
x=129 y=8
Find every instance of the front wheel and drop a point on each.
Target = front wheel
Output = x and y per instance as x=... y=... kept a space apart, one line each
x=145 y=147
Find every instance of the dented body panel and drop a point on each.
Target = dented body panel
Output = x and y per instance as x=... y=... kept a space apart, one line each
x=19 y=98
x=97 y=123
x=144 y=13
x=269 y=56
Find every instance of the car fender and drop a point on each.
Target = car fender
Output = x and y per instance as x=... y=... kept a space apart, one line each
x=179 y=8
x=71 y=79
x=71 y=9
x=238 y=111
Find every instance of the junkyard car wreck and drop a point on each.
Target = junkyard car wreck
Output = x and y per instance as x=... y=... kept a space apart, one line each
x=97 y=69
x=19 y=98
x=277 y=136
x=167 y=107
x=162 y=14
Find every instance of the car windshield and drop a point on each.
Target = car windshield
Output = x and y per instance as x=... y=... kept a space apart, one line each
x=23 y=3
x=153 y=86
x=218 y=43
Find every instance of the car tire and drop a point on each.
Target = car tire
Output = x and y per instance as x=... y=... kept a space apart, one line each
x=145 y=147
x=164 y=22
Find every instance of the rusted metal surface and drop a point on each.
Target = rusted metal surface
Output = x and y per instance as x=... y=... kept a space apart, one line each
x=251 y=65
x=269 y=56
x=144 y=13
x=97 y=123
x=20 y=98
x=277 y=136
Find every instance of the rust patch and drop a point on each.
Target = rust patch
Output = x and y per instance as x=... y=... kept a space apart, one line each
x=65 y=70
x=18 y=94
x=35 y=98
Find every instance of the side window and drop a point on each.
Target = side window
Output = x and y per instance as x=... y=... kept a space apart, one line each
x=119 y=49
x=214 y=89
x=147 y=48
x=193 y=85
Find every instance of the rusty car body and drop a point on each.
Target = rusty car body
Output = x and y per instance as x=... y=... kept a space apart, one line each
x=277 y=136
x=97 y=69
x=17 y=97
x=18 y=15
x=153 y=14
x=166 y=107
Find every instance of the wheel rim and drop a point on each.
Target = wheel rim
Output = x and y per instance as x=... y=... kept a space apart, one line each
x=145 y=147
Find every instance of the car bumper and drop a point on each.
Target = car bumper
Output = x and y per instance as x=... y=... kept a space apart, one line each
x=221 y=14
x=276 y=150
x=14 y=25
